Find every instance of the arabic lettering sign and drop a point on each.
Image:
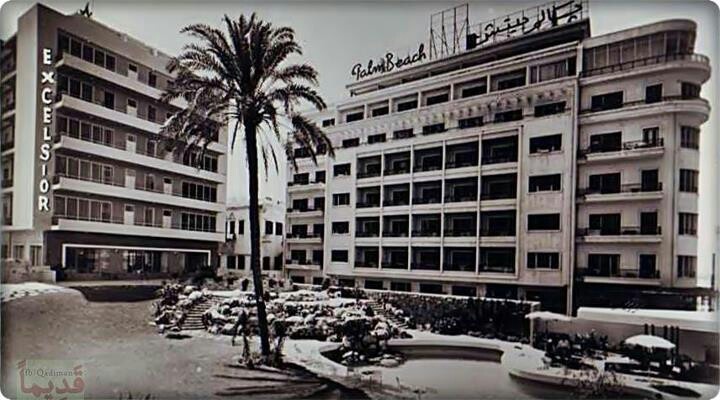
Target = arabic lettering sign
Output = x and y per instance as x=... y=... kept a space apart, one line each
x=50 y=379
x=388 y=63
x=527 y=21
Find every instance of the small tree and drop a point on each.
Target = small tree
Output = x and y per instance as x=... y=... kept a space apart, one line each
x=241 y=74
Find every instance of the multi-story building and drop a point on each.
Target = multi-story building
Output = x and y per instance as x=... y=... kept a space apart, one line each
x=524 y=168
x=87 y=184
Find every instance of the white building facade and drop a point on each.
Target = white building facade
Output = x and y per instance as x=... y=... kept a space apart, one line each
x=555 y=166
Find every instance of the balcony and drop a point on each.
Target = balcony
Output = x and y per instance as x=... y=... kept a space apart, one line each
x=367 y=234
x=648 y=61
x=427 y=200
x=633 y=276
x=119 y=116
x=303 y=237
x=117 y=226
x=496 y=269
x=628 y=150
x=70 y=61
x=111 y=188
x=8 y=145
x=120 y=152
x=303 y=265
x=427 y=160
x=626 y=192
x=296 y=187
x=368 y=204
x=625 y=234
x=426 y=233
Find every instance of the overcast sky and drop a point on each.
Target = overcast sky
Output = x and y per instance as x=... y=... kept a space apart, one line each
x=336 y=35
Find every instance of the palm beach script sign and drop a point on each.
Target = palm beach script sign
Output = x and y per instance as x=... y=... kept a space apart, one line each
x=389 y=63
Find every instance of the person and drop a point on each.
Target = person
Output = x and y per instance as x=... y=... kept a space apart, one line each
x=244 y=284
x=239 y=327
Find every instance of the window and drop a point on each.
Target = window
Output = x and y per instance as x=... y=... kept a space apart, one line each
x=689 y=180
x=347 y=143
x=199 y=191
x=403 y=134
x=608 y=101
x=687 y=224
x=544 y=183
x=241 y=262
x=378 y=138
x=241 y=227
x=152 y=79
x=686 y=266
x=35 y=255
x=341 y=199
x=690 y=137
x=356 y=116
x=553 y=70
x=380 y=111
x=653 y=93
x=434 y=128
x=341 y=170
x=151 y=113
x=340 y=228
x=232 y=262
x=437 y=99
x=319 y=176
x=689 y=91
x=133 y=68
x=131 y=103
x=18 y=251
x=546 y=144
x=339 y=255
x=473 y=122
x=508 y=80
x=278 y=228
x=543 y=222
x=269 y=227
x=407 y=105
x=266 y=263
x=543 y=260
x=475 y=90
x=400 y=286
x=328 y=122
x=549 y=109
x=508 y=116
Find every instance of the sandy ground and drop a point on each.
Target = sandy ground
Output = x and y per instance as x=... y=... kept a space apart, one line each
x=120 y=351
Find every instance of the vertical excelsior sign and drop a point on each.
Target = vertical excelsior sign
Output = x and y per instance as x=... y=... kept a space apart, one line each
x=47 y=83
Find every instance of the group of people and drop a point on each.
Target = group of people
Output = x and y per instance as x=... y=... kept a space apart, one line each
x=455 y=315
x=564 y=348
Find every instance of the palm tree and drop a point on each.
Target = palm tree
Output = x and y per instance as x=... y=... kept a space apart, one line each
x=242 y=77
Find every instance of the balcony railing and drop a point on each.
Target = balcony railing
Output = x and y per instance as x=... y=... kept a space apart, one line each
x=121 y=221
x=458 y=267
x=459 y=232
x=301 y=235
x=394 y=265
x=496 y=269
x=368 y=174
x=632 y=145
x=9 y=145
x=303 y=262
x=625 y=188
x=622 y=273
x=396 y=202
x=628 y=65
x=425 y=266
x=366 y=264
x=499 y=159
x=623 y=231
x=637 y=103
x=496 y=232
x=426 y=233
x=426 y=200
x=395 y=233
x=457 y=198
x=460 y=164
x=367 y=204
x=497 y=196
x=427 y=167
x=397 y=170
x=367 y=234
x=7 y=183
x=305 y=209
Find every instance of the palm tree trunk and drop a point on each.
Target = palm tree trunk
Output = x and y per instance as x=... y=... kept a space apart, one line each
x=252 y=157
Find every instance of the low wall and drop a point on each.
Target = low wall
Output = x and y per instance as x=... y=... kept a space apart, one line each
x=16 y=271
x=697 y=345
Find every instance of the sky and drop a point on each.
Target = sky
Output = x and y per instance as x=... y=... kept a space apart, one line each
x=336 y=35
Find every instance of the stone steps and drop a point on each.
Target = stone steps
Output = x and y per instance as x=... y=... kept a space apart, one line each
x=379 y=310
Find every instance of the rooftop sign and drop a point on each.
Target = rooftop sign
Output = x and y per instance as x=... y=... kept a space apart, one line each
x=526 y=21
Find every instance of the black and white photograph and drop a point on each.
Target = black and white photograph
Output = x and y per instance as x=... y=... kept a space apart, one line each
x=372 y=200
